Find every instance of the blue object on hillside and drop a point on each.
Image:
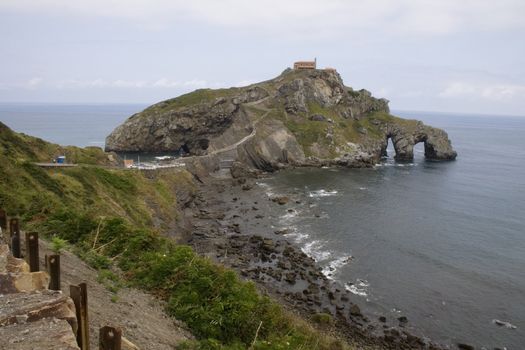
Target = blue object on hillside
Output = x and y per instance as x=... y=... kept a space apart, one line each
x=61 y=159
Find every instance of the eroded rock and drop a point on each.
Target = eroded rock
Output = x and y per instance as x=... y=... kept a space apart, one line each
x=50 y=333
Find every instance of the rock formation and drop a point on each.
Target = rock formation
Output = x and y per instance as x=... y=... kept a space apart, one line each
x=302 y=117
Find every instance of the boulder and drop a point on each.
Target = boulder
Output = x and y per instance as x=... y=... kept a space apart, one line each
x=23 y=282
x=355 y=310
x=9 y=264
x=318 y=117
x=282 y=200
x=241 y=170
x=47 y=333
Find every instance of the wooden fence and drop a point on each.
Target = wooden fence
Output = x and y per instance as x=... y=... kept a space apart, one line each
x=110 y=338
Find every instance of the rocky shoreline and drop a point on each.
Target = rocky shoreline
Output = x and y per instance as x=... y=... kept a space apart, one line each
x=231 y=222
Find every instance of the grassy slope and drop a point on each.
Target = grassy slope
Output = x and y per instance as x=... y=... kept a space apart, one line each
x=104 y=215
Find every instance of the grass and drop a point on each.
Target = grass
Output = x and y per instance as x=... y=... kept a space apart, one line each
x=222 y=311
x=192 y=98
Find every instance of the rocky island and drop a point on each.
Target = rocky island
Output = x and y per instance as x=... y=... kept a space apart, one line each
x=303 y=117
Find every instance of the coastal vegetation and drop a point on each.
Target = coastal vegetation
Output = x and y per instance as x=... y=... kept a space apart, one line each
x=115 y=219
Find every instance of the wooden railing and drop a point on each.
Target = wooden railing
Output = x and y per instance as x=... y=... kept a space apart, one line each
x=110 y=338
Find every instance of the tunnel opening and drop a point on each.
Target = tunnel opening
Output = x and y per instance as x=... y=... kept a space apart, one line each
x=388 y=150
x=407 y=149
x=184 y=150
x=419 y=151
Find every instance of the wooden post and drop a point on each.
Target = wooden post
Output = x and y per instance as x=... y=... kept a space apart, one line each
x=14 y=226
x=3 y=220
x=53 y=263
x=15 y=245
x=32 y=251
x=79 y=296
x=110 y=338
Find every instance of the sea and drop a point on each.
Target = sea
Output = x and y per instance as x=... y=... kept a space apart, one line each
x=441 y=243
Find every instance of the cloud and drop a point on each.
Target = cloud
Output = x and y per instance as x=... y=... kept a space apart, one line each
x=495 y=92
x=329 y=17
x=120 y=83
x=246 y=82
x=30 y=84
x=33 y=83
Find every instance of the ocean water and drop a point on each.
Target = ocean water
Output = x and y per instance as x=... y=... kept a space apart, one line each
x=67 y=124
x=442 y=243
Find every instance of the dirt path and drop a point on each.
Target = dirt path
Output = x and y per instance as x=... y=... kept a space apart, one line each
x=140 y=316
x=241 y=141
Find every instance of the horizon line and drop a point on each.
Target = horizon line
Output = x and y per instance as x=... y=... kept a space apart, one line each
x=94 y=103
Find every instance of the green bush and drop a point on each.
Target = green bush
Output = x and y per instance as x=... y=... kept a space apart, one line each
x=57 y=244
x=95 y=260
x=222 y=311
x=322 y=319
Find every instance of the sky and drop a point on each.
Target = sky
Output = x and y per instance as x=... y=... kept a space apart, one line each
x=442 y=55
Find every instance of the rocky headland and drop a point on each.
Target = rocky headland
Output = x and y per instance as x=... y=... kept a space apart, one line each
x=300 y=118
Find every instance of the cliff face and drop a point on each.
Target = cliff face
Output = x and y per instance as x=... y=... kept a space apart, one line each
x=305 y=117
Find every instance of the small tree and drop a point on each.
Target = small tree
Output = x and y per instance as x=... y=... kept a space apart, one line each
x=57 y=244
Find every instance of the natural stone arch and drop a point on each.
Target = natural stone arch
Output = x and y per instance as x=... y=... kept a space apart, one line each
x=436 y=142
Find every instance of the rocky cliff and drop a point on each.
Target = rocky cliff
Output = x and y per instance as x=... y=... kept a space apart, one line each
x=301 y=117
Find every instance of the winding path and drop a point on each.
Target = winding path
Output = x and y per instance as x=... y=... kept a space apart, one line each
x=244 y=139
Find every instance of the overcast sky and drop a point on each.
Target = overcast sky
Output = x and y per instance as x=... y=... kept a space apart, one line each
x=440 y=55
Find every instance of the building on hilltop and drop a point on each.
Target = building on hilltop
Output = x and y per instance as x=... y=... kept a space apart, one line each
x=305 y=64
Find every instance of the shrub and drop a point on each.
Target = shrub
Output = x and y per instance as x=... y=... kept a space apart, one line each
x=57 y=244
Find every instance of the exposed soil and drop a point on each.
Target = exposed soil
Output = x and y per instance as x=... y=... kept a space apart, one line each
x=140 y=316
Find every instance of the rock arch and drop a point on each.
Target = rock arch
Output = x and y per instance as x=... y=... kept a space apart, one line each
x=436 y=142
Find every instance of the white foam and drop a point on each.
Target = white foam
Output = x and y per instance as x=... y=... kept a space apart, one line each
x=394 y=164
x=298 y=237
x=269 y=193
x=321 y=193
x=313 y=250
x=334 y=265
x=285 y=218
x=363 y=188
x=504 y=324
x=352 y=288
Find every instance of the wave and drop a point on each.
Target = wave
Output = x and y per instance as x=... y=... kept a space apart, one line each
x=359 y=288
x=268 y=189
x=313 y=249
x=332 y=268
x=397 y=165
x=321 y=193
x=504 y=324
x=288 y=216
